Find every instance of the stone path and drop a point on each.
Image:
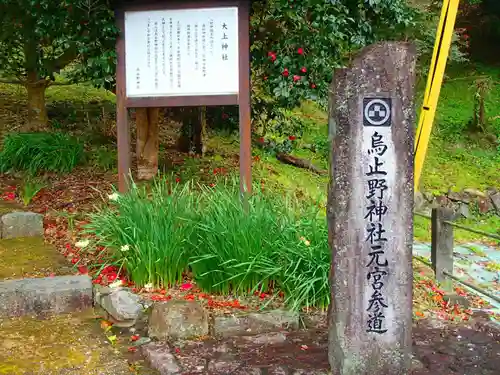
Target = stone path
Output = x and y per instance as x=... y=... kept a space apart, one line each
x=474 y=263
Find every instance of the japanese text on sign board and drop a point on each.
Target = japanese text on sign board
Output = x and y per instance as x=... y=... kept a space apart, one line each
x=181 y=51
x=375 y=211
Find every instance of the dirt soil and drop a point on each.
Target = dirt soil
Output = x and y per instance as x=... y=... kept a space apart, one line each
x=64 y=345
x=439 y=347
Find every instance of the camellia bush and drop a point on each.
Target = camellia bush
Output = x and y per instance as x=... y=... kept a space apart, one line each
x=296 y=45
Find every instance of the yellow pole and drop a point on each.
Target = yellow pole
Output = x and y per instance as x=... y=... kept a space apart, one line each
x=442 y=46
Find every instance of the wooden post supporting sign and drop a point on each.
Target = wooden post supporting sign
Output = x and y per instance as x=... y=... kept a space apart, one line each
x=370 y=212
x=182 y=53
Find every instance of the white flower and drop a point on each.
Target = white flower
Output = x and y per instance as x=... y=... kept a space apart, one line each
x=306 y=242
x=116 y=284
x=125 y=248
x=149 y=287
x=113 y=197
x=83 y=243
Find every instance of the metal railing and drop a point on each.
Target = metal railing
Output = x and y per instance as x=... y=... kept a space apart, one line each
x=442 y=250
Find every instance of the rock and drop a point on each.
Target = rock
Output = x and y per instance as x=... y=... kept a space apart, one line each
x=225 y=364
x=22 y=224
x=178 y=320
x=255 y=323
x=123 y=306
x=99 y=292
x=464 y=210
x=161 y=358
x=455 y=197
x=495 y=200
x=315 y=320
x=455 y=299
x=475 y=193
x=45 y=296
x=416 y=364
x=267 y=338
x=279 y=370
x=142 y=341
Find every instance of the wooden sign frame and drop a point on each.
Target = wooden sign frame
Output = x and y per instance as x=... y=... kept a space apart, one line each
x=242 y=99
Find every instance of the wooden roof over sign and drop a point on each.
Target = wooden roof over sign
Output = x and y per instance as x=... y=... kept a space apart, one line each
x=167 y=3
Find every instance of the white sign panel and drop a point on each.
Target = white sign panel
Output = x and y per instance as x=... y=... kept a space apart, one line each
x=187 y=52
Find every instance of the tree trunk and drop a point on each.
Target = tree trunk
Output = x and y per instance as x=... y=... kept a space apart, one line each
x=147 y=142
x=193 y=130
x=200 y=128
x=38 y=119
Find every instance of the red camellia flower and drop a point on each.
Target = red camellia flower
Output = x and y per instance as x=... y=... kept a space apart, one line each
x=108 y=269
x=83 y=270
x=225 y=116
x=186 y=286
x=134 y=337
x=177 y=179
x=272 y=55
x=304 y=69
x=112 y=277
x=313 y=86
x=300 y=51
x=262 y=140
x=292 y=138
x=285 y=73
x=10 y=196
x=296 y=78
x=265 y=78
x=74 y=260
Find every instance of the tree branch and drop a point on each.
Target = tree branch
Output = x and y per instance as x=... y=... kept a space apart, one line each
x=56 y=65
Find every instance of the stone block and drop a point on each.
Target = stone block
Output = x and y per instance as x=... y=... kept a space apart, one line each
x=45 y=296
x=124 y=306
x=369 y=210
x=495 y=199
x=178 y=320
x=161 y=358
x=255 y=323
x=22 y=224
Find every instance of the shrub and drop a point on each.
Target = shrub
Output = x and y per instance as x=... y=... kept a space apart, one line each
x=36 y=153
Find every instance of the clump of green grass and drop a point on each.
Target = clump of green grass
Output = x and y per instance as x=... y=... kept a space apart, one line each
x=264 y=244
x=37 y=153
x=30 y=189
x=147 y=230
x=268 y=243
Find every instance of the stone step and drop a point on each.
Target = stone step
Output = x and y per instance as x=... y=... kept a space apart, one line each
x=21 y=224
x=45 y=296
